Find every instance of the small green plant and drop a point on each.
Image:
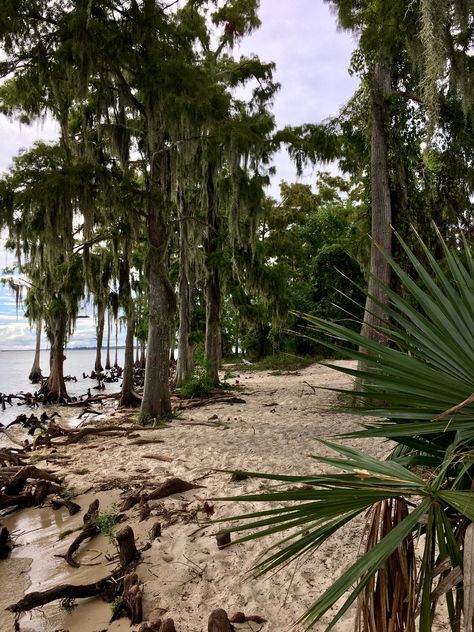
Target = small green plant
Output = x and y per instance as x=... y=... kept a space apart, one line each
x=107 y=520
x=116 y=606
x=145 y=419
x=198 y=385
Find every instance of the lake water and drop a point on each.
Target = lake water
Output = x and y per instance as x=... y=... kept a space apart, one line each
x=15 y=367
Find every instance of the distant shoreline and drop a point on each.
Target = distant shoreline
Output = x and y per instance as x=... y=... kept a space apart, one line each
x=66 y=350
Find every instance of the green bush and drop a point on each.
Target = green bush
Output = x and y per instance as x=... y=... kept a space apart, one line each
x=198 y=385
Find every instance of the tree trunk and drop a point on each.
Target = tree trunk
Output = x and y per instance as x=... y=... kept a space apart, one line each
x=116 y=345
x=107 y=357
x=128 y=397
x=55 y=387
x=381 y=231
x=156 y=403
x=142 y=362
x=35 y=373
x=184 y=368
x=100 y=336
x=213 y=289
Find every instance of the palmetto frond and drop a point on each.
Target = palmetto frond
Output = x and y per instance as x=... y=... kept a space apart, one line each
x=419 y=391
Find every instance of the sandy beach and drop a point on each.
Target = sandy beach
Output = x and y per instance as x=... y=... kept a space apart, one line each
x=185 y=575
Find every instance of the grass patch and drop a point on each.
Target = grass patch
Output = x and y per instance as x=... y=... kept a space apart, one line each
x=277 y=363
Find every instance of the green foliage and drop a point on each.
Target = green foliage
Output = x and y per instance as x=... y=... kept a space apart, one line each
x=116 y=606
x=419 y=390
x=107 y=520
x=198 y=385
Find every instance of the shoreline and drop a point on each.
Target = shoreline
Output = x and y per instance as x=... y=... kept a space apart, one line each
x=185 y=575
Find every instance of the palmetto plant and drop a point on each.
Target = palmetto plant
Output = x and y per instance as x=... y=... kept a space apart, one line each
x=420 y=392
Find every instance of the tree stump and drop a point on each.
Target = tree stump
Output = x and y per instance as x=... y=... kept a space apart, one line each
x=222 y=539
x=219 y=621
x=155 y=531
x=126 y=544
x=5 y=547
x=133 y=597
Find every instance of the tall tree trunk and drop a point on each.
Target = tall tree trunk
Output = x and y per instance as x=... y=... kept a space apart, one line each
x=380 y=204
x=156 y=401
x=55 y=387
x=100 y=337
x=142 y=362
x=35 y=373
x=107 y=357
x=213 y=288
x=116 y=345
x=184 y=368
x=128 y=397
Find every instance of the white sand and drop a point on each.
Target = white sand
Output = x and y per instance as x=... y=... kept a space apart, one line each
x=185 y=575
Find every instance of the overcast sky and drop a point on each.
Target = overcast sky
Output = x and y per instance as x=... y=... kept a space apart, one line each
x=312 y=57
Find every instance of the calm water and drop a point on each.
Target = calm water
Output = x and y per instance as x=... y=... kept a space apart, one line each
x=15 y=367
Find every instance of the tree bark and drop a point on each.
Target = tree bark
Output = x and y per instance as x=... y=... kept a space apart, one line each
x=55 y=388
x=156 y=402
x=128 y=397
x=213 y=289
x=374 y=316
x=107 y=357
x=184 y=368
x=116 y=345
x=100 y=336
x=35 y=373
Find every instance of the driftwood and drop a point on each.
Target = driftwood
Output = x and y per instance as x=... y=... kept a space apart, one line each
x=71 y=506
x=65 y=591
x=168 y=488
x=76 y=436
x=222 y=399
x=15 y=488
x=12 y=456
x=89 y=530
x=240 y=617
x=108 y=588
x=219 y=621
x=17 y=481
x=141 y=441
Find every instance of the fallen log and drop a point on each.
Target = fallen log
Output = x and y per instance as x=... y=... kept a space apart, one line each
x=66 y=591
x=76 y=436
x=197 y=403
x=16 y=483
x=170 y=487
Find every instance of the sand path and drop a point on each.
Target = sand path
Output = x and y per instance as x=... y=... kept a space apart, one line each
x=185 y=575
